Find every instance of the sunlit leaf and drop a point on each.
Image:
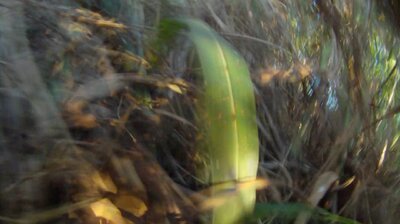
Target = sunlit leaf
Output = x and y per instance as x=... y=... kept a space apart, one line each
x=175 y=88
x=104 y=208
x=104 y=182
x=131 y=204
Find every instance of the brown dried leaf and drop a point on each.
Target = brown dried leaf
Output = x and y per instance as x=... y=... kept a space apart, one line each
x=124 y=57
x=76 y=117
x=76 y=31
x=294 y=74
x=104 y=208
x=75 y=106
x=87 y=121
x=104 y=182
x=303 y=70
x=268 y=75
x=131 y=204
x=87 y=16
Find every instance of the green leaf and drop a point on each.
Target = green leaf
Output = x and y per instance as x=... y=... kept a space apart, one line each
x=289 y=211
x=227 y=116
x=168 y=29
x=281 y=211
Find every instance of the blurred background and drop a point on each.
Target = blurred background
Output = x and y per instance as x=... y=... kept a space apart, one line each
x=98 y=110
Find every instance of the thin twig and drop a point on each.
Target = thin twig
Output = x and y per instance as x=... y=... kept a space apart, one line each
x=388 y=115
x=244 y=36
x=387 y=78
x=175 y=117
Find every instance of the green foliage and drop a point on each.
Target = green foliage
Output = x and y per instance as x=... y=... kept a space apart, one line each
x=281 y=211
x=168 y=30
x=287 y=212
x=227 y=116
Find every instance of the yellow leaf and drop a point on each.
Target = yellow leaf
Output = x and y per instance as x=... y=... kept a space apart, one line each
x=104 y=208
x=131 y=204
x=84 y=121
x=175 y=88
x=104 y=182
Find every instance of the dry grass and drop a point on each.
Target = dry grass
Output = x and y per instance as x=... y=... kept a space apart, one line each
x=89 y=99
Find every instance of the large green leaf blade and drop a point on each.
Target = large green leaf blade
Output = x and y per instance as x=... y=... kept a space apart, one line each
x=227 y=114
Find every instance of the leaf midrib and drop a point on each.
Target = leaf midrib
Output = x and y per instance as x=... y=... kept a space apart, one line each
x=232 y=105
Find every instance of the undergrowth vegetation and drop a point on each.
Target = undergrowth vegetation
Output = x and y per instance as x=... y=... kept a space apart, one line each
x=119 y=111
